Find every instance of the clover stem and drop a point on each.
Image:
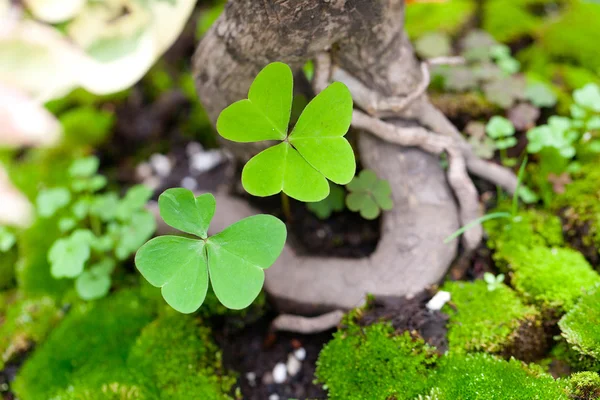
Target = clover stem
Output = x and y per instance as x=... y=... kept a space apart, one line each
x=285 y=206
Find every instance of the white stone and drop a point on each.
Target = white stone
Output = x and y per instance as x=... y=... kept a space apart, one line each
x=279 y=373
x=293 y=365
x=251 y=377
x=143 y=171
x=300 y=354
x=189 y=183
x=161 y=164
x=274 y=396
x=193 y=148
x=437 y=302
x=203 y=162
x=153 y=182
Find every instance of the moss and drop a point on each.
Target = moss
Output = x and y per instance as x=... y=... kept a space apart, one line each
x=191 y=369
x=579 y=24
x=448 y=17
x=552 y=278
x=575 y=361
x=373 y=363
x=93 y=338
x=7 y=268
x=460 y=105
x=585 y=385
x=478 y=324
x=27 y=322
x=482 y=376
x=581 y=325
x=530 y=228
x=509 y=20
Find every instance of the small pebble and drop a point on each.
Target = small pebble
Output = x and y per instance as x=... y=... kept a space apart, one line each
x=300 y=354
x=279 y=373
x=161 y=164
x=152 y=182
x=189 y=183
x=293 y=366
x=193 y=148
x=251 y=377
x=143 y=171
x=203 y=162
x=437 y=302
x=274 y=396
x=267 y=379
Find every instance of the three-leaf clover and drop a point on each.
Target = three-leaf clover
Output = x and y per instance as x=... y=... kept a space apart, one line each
x=493 y=282
x=502 y=131
x=315 y=151
x=334 y=202
x=95 y=282
x=369 y=195
x=556 y=134
x=233 y=260
x=68 y=256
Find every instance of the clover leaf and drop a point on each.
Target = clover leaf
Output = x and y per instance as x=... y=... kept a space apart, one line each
x=540 y=95
x=7 y=239
x=139 y=229
x=49 y=201
x=68 y=256
x=233 y=260
x=95 y=282
x=502 y=131
x=493 y=282
x=369 y=195
x=556 y=134
x=588 y=97
x=84 y=167
x=135 y=199
x=334 y=202
x=315 y=151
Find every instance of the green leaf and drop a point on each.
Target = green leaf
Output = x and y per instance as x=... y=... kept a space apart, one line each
x=369 y=195
x=265 y=115
x=238 y=256
x=334 y=202
x=49 y=201
x=499 y=127
x=7 y=239
x=178 y=266
x=95 y=283
x=135 y=199
x=68 y=256
x=319 y=134
x=81 y=208
x=588 y=97
x=282 y=168
x=105 y=206
x=181 y=210
x=66 y=224
x=540 y=95
x=84 y=167
x=139 y=229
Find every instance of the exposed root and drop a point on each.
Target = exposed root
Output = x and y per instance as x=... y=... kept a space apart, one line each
x=307 y=325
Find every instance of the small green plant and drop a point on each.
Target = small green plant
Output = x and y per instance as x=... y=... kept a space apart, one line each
x=493 y=282
x=332 y=203
x=502 y=132
x=7 y=239
x=99 y=229
x=500 y=53
x=234 y=260
x=313 y=152
x=369 y=195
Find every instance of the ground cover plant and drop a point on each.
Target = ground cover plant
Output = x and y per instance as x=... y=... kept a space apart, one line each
x=367 y=199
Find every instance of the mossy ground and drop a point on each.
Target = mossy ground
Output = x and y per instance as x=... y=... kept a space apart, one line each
x=477 y=323
x=581 y=325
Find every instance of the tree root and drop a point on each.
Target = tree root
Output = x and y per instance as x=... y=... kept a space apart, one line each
x=307 y=325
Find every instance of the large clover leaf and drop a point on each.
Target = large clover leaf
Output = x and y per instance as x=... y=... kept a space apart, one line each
x=315 y=151
x=233 y=260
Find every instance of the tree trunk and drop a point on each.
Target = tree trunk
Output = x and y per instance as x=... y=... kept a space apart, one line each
x=366 y=39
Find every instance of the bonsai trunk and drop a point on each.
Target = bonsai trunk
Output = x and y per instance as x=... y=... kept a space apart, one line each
x=365 y=39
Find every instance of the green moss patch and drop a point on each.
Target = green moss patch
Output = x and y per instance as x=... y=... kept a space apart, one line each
x=373 y=363
x=552 y=278
x=448 y=17
x=478 y=323
x=585 y=385
x=581 y=325
x=482 y=376
x=509 y=20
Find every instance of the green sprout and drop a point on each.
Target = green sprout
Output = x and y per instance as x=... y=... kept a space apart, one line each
x=234 y=260
x=369 y=195
x=502 y=132
x=334 y=202
x=315 y=151
x=493 y=282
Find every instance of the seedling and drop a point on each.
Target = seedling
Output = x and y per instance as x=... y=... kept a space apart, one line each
x=334 y=202
x=502 y=132
x=234 y=260
x=369 y=195
x=493 y=282
x=315 y=151
x=98 y=229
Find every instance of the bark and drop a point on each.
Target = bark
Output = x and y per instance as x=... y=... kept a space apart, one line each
x=366 y=39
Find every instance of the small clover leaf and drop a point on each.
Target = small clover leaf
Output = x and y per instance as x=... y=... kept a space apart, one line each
x=135 y=199
x=588 y=97
x=301 y=164
x=556 y=134
x=84 y=167
x=493 y=282
x=369 y=195
x=7 y=239
x=334 y=202
x=105 y=206
x=66 y=224
x=68 y=256
x=233 y=260
x=139 y=229
x=499 y=127
x=540 y=95
x=49 y=201
x=91 y=184
x=95 y=282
